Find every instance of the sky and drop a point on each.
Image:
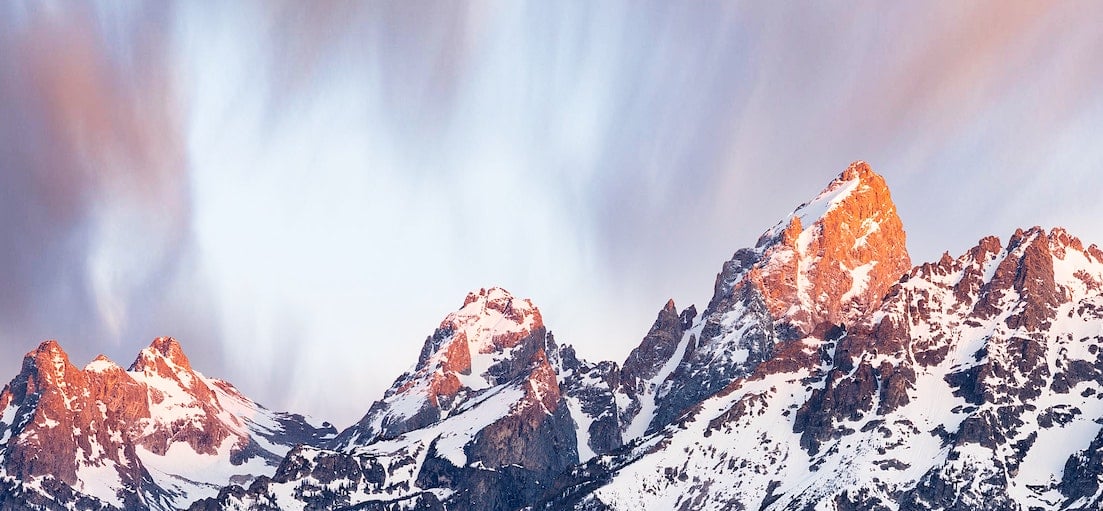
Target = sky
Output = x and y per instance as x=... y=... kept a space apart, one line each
x=301 y=191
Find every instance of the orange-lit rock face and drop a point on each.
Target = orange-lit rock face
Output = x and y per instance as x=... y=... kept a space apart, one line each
x=121 y=395
x=457 y=356
x=48 y=374
x=836 y=256
x=88 y=430
x=77 y=414
x=105 y=409
x=442 y=384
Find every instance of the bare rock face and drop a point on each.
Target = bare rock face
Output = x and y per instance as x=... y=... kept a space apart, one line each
x=835 y=257
x=658 y=347
x=649 y=364
x=518 y=455
x=54 y=406
x=590 y=390
x=1082 y=478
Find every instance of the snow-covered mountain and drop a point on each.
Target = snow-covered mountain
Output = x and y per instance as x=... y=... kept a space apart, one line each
x=826 y=373
x=479 y=422
x=158 y=435
x=975 y=383
x=975 y=386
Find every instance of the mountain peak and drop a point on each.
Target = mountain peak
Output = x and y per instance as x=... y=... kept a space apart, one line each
x=858 y=169
x=170 y=348
x=47 y=347
x=857 y=190
x=48 y=366
x=491 y=320
x=102 y=364
x=828 y=263
x=165 y=349
x=48 y=357
x=835 y=255
x=487 y=295
x=496 y=301
x=493 y=339
x=103 y=438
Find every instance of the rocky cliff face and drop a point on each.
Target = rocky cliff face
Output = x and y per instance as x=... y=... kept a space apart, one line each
x=158 y=435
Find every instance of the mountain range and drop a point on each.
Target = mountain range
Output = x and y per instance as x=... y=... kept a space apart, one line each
x=827 y=372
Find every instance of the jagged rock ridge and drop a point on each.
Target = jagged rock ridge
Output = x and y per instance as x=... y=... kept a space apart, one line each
x=155 y=436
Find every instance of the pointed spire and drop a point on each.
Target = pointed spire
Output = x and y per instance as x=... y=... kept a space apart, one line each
x=836 y=255
x=48 y=352
x=858 y=169
x=170 y=349
x=48 y=346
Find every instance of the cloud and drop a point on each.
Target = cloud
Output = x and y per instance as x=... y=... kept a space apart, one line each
x=288 y=186
x=96 y=198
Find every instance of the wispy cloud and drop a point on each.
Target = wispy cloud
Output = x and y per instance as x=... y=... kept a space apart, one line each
x=96 y=199
x=301 y=190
